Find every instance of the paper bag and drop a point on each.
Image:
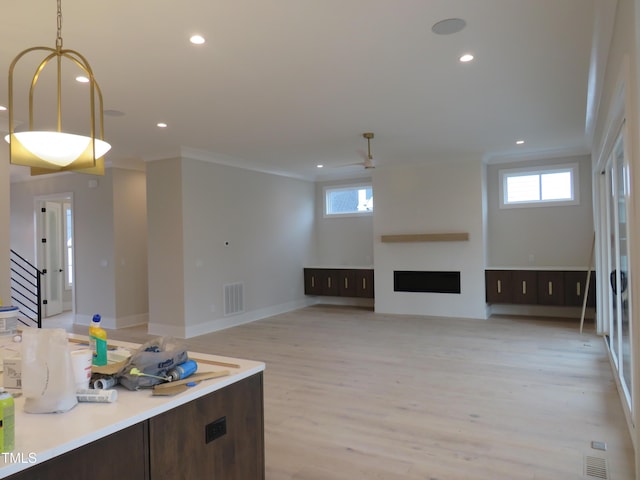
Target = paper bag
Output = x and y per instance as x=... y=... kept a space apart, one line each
x=48 y=383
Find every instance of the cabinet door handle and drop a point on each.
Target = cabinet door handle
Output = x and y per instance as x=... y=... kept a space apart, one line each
x=364 y=283
x=329 y=282
x=524 y=287
x=578 y=289
x=346 y=282
x=499 y=286
x=313 y=281
x=550 y=288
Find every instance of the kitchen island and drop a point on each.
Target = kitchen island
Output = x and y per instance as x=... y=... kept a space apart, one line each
x=213 y=430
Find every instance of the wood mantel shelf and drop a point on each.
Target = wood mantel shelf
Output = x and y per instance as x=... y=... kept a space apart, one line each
x=426 y=237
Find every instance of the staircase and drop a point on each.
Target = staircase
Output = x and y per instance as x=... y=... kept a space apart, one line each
x=26 y=290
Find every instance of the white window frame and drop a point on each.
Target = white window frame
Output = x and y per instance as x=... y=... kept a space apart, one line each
x=504 y=174
x=334 y=188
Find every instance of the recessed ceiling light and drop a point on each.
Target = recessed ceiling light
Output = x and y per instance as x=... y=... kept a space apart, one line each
x=448 y=26
x=197 y=39
x=162 y=125
x=467 y=57
x=82 y=79
x=319 y=165
x=519 y=142
x=2 y=107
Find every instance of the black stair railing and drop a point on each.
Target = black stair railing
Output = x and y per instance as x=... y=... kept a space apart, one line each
x=26 y=290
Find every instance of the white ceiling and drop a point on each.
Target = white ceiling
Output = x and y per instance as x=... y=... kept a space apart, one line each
x=282 y=85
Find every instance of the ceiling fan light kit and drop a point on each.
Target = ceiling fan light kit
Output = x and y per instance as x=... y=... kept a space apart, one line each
x=55 y=151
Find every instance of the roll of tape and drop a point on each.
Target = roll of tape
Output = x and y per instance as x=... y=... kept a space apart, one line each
x=104 y=383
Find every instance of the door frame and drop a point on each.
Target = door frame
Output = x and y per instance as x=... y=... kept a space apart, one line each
x=39 y=230
x=619 y=121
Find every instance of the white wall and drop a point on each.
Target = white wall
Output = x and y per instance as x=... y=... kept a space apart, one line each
x=540 y=236
x=237 y=226
x=344 y=241
x=95 y=245
x=443 y=198
x=130 y=246
x=165 y=248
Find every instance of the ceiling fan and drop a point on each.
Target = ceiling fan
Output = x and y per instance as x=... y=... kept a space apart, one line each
x=368 y=158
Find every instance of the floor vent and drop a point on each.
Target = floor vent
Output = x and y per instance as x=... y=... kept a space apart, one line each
x=595 y=467
x=233 y=298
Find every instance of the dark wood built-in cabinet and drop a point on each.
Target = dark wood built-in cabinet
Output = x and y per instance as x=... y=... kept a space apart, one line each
x=539 y=287
x=339 y=282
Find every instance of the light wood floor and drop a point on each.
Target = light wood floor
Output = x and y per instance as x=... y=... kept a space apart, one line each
x=350 y=394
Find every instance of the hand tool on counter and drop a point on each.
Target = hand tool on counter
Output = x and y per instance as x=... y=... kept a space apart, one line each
x=179 y=386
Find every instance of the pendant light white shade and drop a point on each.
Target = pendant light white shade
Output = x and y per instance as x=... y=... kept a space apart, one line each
x=58 y=148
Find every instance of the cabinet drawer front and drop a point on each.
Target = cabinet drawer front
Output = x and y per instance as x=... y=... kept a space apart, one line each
x=347 y=287
x=525 y=287
x=550 y=288
x=364 y=283
x=498 y=286
x=99 y=460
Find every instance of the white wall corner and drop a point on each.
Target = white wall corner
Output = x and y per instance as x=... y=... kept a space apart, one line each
x=132 y=320
x=111 y=323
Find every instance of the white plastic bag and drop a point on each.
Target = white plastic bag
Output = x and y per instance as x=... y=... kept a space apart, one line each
x=48 y=383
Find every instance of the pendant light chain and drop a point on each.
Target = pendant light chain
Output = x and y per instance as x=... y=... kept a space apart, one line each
x=59 y=37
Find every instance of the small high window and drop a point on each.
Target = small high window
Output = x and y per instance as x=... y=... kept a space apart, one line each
x=348 y=200
x=542 y=186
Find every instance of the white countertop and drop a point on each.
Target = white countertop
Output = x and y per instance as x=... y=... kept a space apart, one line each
x=40 y=437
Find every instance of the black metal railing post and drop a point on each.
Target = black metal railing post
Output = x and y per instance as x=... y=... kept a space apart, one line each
x=26 y=289
x=39 y=296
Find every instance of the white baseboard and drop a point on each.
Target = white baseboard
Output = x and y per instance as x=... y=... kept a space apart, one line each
x=175 y=331
x=114 y=323
x=132 y=320
x=226 y=322
x=540 y=311
x=342 y=301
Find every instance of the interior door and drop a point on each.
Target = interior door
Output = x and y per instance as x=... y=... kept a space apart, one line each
x=53 y=258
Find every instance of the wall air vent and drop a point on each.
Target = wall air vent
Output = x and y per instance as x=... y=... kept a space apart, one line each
x=595 y=468
x=233 y=298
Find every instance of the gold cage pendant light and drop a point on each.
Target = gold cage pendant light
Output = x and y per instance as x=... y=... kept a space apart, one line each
x=55 y=151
